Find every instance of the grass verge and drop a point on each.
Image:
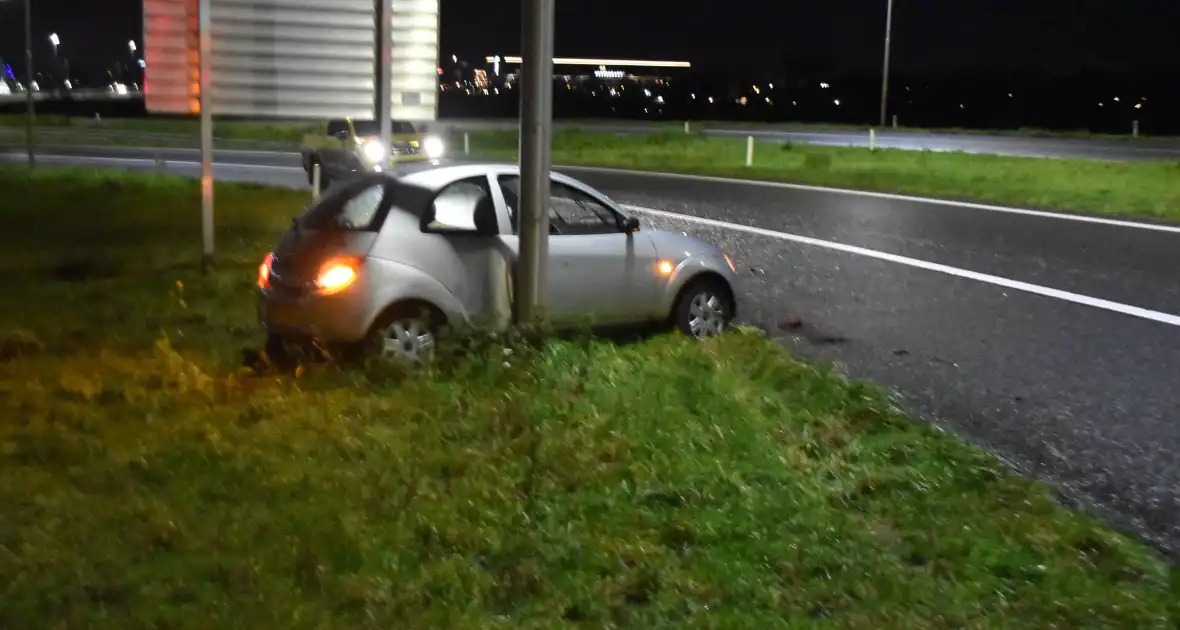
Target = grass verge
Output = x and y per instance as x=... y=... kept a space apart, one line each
x=1144 y=190
x=147 y=481
x=1132 y=189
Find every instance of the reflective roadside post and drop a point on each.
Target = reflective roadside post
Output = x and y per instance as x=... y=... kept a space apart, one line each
x=205 y=47
x=536 y=127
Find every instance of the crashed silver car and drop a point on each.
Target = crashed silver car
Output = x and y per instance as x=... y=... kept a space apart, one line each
x=392 y=259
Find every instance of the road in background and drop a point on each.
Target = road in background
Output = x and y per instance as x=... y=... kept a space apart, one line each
x=1108 y=149
x=1024 y=146
x=1066 y=391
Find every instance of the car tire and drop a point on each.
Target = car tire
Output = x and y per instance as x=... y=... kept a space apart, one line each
x=704 y=308
x=405 y=333
x=324 y=180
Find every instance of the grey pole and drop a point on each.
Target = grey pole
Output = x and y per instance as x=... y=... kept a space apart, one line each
x=383 y=74
x=885 y=73
x=205 y=43
x=536 y=128
x=30 y=106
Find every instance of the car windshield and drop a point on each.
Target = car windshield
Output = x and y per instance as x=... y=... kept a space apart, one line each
x=373 y=128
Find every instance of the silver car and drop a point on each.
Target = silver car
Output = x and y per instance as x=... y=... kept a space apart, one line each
x=392 y=259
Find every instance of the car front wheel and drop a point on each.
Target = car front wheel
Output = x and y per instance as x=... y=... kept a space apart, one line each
x=704 y=309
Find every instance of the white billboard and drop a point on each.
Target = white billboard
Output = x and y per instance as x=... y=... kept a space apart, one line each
x=290 y=58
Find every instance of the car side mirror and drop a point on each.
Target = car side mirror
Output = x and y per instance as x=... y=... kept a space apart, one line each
x=630 y=224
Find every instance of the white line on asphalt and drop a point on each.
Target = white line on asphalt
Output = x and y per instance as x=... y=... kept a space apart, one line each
x=862 y=193
x=86 y=147
x=1085 y=300
x=81 y=160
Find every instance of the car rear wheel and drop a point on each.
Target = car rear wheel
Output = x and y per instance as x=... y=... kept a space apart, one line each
x=406 y=333
x=704 y=308
x=324 y=181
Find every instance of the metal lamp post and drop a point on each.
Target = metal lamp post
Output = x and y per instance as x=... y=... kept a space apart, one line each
x=885 y=72
x=30 y=108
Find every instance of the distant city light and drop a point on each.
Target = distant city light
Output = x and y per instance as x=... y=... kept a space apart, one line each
x=768 y=101
x=609 y=74
x=756 y=90
x=1116 y=99
x=1138 y=105
x=131 y=45
x=837 y=102
x=647 y=93
x=54 y=39
x=577 y=61
x=454 y=58
x=772 y=86
x=660 y=100
x=142 y=63
x=694 y=97
x=710 y=100
x=824 y=86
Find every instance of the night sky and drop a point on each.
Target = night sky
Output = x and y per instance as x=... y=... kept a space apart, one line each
x=750 y=35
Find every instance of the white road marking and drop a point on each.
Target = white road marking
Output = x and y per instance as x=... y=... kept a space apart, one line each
x=864 y=193
x=1085 y=300
x=82 y=160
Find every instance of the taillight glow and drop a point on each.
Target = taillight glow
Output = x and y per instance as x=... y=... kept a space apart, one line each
x=336 y=276
x=264 y=271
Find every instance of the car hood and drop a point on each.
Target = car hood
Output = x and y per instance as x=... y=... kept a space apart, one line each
x=679 y=244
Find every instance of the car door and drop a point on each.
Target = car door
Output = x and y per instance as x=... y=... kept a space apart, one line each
x=596 y=268
x=458 y=244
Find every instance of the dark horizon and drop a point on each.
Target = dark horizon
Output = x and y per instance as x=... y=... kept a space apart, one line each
x=734 y=36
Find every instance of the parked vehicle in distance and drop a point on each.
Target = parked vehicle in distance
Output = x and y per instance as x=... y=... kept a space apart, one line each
x=348 y=146
x=391 y=260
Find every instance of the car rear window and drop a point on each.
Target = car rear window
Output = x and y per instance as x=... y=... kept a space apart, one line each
x=351 y=209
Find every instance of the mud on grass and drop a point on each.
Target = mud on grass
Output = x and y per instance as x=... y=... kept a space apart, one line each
x=148 y=481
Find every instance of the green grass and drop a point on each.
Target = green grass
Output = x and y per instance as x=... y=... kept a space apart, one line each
x=147 y=481
x=1133 y=189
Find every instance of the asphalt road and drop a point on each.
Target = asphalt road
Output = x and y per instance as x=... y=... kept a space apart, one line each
x=1053 y=341
x=1080 y=148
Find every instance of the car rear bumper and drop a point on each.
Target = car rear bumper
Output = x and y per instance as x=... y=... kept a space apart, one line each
x=332 y=319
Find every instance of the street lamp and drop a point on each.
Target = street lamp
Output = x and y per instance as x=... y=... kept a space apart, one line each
x=131 y=45
x=30 y=112
x=885 y=72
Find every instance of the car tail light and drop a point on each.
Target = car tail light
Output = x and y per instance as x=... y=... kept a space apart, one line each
x=264 y=271
x=336 y=276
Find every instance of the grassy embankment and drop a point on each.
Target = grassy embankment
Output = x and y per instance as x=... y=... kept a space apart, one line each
x=147 y=481
x=1147 y=190
x=1130 y=189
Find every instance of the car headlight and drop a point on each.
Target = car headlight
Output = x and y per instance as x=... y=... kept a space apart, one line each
x=434 y=147
x=374 y=151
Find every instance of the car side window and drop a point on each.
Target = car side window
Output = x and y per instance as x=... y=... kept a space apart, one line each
x=464 y=206
x=570 y=210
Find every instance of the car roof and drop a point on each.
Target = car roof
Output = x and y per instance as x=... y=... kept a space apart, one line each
x=435 y=176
